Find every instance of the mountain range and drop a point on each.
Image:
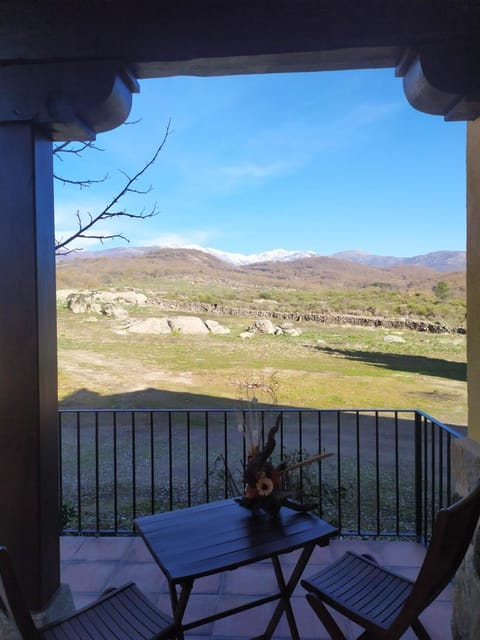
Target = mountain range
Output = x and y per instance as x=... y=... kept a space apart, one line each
x=442 y=261
x=436 y=260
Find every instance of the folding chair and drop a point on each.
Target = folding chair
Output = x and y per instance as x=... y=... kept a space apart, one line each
x=384 y=603
x=124 y=613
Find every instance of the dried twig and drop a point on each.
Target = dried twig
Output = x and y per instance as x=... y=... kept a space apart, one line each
x=302 y=463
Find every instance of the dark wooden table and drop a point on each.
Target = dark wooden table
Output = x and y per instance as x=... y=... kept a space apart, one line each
x=219 y=536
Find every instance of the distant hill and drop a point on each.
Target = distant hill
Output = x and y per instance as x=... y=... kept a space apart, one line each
x=334 y=273
x=144 y=266
x=437 y=260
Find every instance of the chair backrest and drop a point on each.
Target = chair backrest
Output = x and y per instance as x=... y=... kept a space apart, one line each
x=452 y=533
x=12 y=601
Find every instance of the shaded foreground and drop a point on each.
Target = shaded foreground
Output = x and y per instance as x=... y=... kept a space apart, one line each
x=90 y=565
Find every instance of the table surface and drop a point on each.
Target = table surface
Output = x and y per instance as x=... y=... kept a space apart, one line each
x=209 y=538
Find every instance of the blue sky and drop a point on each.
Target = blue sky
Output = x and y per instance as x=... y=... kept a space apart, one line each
x=324 y=162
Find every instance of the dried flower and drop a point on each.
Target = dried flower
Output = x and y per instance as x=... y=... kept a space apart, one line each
x=264 y=485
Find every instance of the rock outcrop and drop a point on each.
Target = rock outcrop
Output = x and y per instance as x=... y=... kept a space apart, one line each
x=188 y=325
x=216 y=328
x=157 y=326
x=179 y=325
x=109 y=303
x=267 y=326
x=93 y=301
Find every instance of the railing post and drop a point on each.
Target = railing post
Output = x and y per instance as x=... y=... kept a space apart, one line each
x=418 y=477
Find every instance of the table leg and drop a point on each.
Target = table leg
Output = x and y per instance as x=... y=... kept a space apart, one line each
x=286 y=590
x=287 y=605
x=179 y=604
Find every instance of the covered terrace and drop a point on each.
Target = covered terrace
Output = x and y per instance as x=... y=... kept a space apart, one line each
x=68 y=72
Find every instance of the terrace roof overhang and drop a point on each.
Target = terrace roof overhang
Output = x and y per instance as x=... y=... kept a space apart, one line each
x=433 y=46
x=67 y=72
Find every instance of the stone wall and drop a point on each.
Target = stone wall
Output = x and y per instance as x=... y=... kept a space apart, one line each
x=327 y=318
x=466 y=587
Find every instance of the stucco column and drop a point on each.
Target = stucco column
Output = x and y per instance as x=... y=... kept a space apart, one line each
x=29 y=502
x=473 y=278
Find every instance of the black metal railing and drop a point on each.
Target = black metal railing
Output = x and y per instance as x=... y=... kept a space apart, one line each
x=389 y=475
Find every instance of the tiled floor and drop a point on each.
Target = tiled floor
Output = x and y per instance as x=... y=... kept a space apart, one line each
x=90 y=565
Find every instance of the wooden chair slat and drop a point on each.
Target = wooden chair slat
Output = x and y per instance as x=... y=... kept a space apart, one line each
x=127 y=617
x=135 y=602
x=124 y=613
x=99 y=620
x=384 y=602
x=383 y=591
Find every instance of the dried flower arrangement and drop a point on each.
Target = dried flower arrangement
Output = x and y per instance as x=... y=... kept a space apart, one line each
x=264 y=483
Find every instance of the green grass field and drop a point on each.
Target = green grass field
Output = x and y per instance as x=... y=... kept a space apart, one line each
x=102 y=366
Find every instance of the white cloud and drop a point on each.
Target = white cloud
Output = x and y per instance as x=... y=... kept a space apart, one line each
x=249 y=170
x=218 y=178
x=367 y=114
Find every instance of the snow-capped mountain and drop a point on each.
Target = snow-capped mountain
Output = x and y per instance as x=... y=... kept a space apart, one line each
x=276 y=255
x=437 y=260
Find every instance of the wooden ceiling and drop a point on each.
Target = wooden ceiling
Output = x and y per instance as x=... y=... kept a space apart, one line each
x=434 y=45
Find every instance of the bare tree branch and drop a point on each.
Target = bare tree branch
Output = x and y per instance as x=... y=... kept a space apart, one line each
x=66 y=147
x=110 y=210
x=81 y=183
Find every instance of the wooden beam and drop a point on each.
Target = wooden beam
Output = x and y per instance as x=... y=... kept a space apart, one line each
x=162 y=37
x=216 y=37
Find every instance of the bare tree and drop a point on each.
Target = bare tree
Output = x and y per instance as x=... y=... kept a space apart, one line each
x=113 y=208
